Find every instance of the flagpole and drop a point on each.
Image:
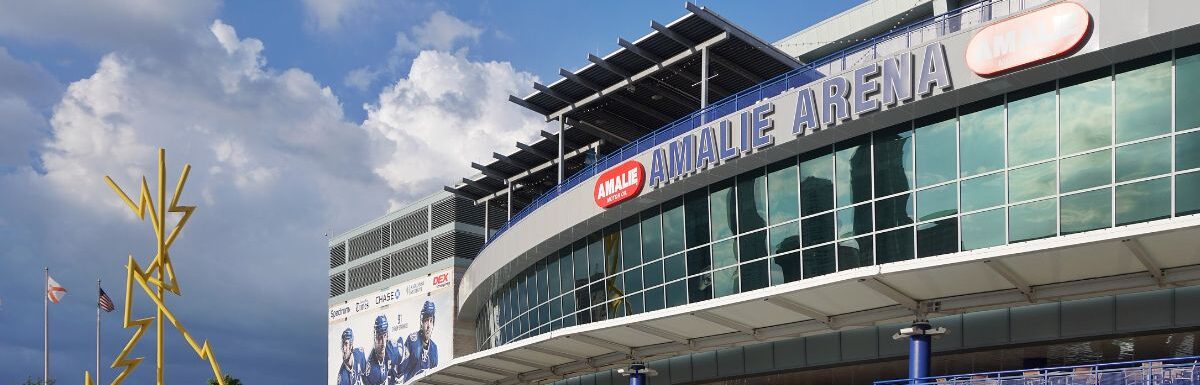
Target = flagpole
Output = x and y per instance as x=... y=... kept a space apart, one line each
x=46 y=328
x=98 y=331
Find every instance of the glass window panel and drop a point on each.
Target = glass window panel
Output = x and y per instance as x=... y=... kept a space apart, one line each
x=751 y=200
x=595 y=257
x=1187 y=87
x=1086 y=171
x=721 y=205
x=725 y=282
x=553 y=281
x=752 y=246
x=632 y=280
x=599 y=301
x=817 y=230
x=852 y=221
x=675 y=267
x=785 y=238
x=1143 y=98
x=700 y=288
x=893 y=246
x=672 y=226
x=894 y=211
x=982 y=137
x=1187 y=193
x=631 y=245
x=724 y=253
x=937 y=238
x=853 y=167
x=542 y=285
x=677 y=293
x=983 y=229
x=854 y=253
x=1032 y=220
x=696 y=217
x=819 y=261
x=654 y=299
x=1143 y=201
x=1187 y=150
x=783 y=191
x=816 y=182
x=566 y=271
x=937 y=202
x=754 y=276
x=568 y=305
x=1085 y=211
x=651 y=235
x=652 y=274
x=1145 y=159
x=1085 y=116
x=698 y=260
x=634 y=303
x=582 y=301
x=893 y=163
x=935 y=139
x=785 y=268
x=1031 y=182
x=982 y=192
x=1031 y=128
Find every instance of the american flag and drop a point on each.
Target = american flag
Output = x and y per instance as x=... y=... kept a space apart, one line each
x=105 y=303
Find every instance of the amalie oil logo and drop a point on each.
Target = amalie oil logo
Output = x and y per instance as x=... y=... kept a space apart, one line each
x=1039 y=35
x=619 y=184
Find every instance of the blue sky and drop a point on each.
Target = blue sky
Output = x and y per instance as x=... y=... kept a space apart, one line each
x=300 y=118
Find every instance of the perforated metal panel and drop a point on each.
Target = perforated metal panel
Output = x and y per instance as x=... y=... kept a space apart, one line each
x=456 y=209
x=366 y=274
x=337 y=255
x=456 y=244
x=410 y=225
x=411 y=258
x=364 y=244
x=337 y=284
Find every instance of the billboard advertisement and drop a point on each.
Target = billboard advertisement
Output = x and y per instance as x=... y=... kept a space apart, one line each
x=392 y=335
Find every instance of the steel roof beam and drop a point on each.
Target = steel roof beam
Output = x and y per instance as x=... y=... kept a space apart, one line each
x=734 y=30
x=688 y=43
x=555 y=137
x=600 y=343
x=597 y=131
x=600 y=62
x=511 y=161
x=485 y=170
x=489 y=369
x=724 y=321
x=455 y=191
x=675 y=96
x=477 y=185
x=640 y=51
x=1145 y=258
x=552 y=93
x=518 y=176
x=528 y=105
x=663 y=118
x=890 y=292
x=1012 y=277
x=579 y=80
x=460 y=377
x=534 y=151
x=517 y=361
x=556 y=353
x=800 y=309
x=737 y=69
x=660 y=333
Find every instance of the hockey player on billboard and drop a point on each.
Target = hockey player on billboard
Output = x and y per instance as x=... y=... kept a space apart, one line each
x=353 y=361
x=381 y=365
x=421 y=351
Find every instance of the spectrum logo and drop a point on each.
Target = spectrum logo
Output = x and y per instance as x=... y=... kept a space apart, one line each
x=619 y=184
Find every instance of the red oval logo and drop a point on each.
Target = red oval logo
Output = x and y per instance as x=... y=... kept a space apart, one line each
x=1026 y=39
x=619 y=184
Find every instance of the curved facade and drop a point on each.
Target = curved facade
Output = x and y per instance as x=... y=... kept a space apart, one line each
x=1109 y=147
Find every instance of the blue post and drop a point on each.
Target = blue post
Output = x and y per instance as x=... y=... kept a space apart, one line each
x=637 y=373
x=918 y=351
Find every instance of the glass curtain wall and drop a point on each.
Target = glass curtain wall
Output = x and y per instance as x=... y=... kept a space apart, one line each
x=1099 y=149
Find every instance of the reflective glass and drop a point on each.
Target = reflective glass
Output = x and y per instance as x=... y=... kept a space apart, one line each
x=935 y=154
x=672 y=226
x=852 y=221
x=566 y=274
x=1086 y=171
x=1187 y=87
x=652 y=274
x=785 y=238
x=675 y=267
x=595 y=252
x=982 y=137
x=700 y=288
x=982 y=192
x=819 y=261
x=1145 y=159
x=654 y=299
x=677 y=294
x=553 y=282
x=1143 y=98
x=1031 y=182
x=695 y=213
x=699 y=260
x=1143 y=201
x=754 y=276
x=632 y=280
x=724 y=253
x=581 y=263
x=582 y=302
x=631 y=245
x=1031 y=128
x=725 y=282
x=1085 y=105
x=1187 y=150
x=651 y=235
x=854 y=253
x=1085 y=211
x=599 y=301
x=1033 y=220
x=720 y=204
x=937 y=238
x=785 y=268
x=752 y=246
x=751 y=200
x=937 y=202
x=893 y=163
x=894 y=211
x=782 y=191
x=816 y=183
x=853 y=168
x=634 y=303
x=817 y=229
x=1187 y=193
x=893 y=246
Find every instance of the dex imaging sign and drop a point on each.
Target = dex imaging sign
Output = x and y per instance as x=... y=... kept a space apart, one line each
x=1043 y=34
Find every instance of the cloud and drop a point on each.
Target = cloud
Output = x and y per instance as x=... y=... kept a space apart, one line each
x=441 y=32
x=106 y=25
x=328 y=15
x=27 y=92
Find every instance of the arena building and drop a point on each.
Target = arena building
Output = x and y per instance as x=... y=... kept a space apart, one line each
x=966 y=193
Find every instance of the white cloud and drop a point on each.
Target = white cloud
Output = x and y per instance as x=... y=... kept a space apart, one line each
x=446 y=112
x=329 y=14
x=442 y=31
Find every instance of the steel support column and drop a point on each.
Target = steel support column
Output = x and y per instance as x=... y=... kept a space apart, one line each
x=920 y=338
x=703 y=79
x=637 y=373
x=562 y=130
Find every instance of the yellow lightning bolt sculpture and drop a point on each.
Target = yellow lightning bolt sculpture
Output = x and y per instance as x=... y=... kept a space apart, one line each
x=158 y=278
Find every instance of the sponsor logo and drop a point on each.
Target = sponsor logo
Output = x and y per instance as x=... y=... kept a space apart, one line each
x=1027 y=39
x=619 y=184
x=441 y=279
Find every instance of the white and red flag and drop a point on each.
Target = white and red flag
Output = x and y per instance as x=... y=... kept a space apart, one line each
x=54 y=291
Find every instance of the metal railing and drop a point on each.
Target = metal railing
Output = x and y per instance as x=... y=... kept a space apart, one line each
x=1169 y=371
x=893 y=41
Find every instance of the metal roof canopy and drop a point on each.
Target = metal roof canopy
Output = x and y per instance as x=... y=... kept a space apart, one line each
x=625 y=95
